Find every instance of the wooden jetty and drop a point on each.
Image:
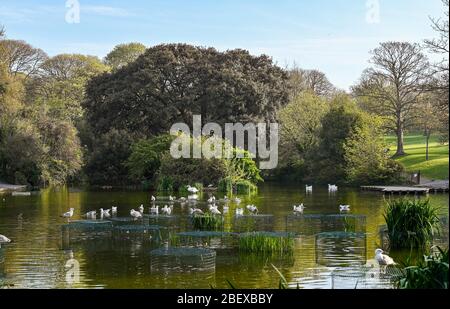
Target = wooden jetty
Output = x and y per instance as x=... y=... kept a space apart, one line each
x=7 y=188
x=397 y=190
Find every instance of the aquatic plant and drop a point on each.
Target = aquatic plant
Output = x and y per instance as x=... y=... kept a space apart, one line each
x=430 y=273
x=245 y=187
x=266 y=243
x=207 y=222
x=411 y=223
x=165 y=184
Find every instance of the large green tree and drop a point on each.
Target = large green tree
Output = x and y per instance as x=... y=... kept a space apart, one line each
x=170 y=83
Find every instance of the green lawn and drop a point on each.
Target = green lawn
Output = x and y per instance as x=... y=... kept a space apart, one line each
x=435 y=168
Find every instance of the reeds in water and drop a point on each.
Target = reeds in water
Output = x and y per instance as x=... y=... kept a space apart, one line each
x=266 y=244
x=411 y=223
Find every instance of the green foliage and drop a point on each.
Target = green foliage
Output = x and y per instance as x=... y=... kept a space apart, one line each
x=245 y=187
x=207 y=222
x=431 y=273
x=165 y=184
x=124 y=54
x=411 y=223
x=109 y=153
x=145 y=158
x=300 y=126
x=367 y=160
x=225 y=185
x=266 y=245
x=222 y=87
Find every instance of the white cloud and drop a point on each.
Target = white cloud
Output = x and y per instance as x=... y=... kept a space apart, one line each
x=106 y=11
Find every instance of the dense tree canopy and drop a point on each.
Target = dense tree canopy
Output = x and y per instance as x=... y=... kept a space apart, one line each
x=170 y=83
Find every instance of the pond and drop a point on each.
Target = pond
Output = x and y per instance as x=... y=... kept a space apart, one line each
x=326 y=252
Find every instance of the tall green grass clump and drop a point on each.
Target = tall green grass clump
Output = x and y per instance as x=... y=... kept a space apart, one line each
x=207 y=222
x=411 y=223
x=265 y=244
x=431 y=273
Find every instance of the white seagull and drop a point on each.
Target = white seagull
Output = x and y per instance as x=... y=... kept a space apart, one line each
x=239 y=212
x=344 y=208
x=192 y=190
x=141 y=209
x=91 y=215
x=299 y=209
x=172 y=199
x=309 y=188
x=252 y=208
x=153 y=199
x=212 y=200
x=237 y=200
x=383 y=259
x=154 y=210
x=4 y=240
x=105 y=213
x=215 y=211
x=332 y=188
x=166 y=210
x=114 y=210
x=195 y=211
x=136 y=214
x=68 y=214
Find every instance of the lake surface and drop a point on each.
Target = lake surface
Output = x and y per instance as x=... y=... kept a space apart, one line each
x=326 y=252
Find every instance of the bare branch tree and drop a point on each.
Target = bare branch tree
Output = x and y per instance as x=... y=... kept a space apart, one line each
x=400 y=74
x=21 y=57
x=310 y=80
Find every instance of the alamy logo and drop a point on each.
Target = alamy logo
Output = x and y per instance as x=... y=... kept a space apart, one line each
x=73 y=12
x=211 y=141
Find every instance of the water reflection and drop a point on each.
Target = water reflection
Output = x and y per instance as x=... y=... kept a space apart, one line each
x=41 y=248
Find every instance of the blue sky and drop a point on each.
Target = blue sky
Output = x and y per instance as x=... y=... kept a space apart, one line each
x=330 y=35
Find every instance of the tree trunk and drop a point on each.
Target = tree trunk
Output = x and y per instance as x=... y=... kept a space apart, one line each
x=428 y=134
x=400 y=145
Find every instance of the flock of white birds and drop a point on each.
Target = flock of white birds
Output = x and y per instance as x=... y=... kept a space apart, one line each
x=380 y=257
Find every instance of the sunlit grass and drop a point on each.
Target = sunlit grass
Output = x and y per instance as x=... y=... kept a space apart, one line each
x=415 y=160
x=265 y=244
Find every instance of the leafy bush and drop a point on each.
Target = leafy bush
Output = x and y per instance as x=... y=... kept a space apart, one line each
x=431 y=273
x=245 y=187
x=145 y=158
x=165 y=184
x=411 y=223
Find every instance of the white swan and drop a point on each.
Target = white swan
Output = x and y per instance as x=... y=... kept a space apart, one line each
x=344 y=208
x=299 y=209
x=383 y=259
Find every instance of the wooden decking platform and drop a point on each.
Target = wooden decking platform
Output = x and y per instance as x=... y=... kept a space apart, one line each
x=397 y=190
x=11 y=188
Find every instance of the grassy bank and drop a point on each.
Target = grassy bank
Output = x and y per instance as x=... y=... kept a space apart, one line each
x=415 y=160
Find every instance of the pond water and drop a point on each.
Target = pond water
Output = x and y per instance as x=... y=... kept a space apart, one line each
x=326 y=253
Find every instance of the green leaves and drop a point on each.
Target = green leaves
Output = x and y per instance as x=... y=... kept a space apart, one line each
x=411 y=223
x=431 y=273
